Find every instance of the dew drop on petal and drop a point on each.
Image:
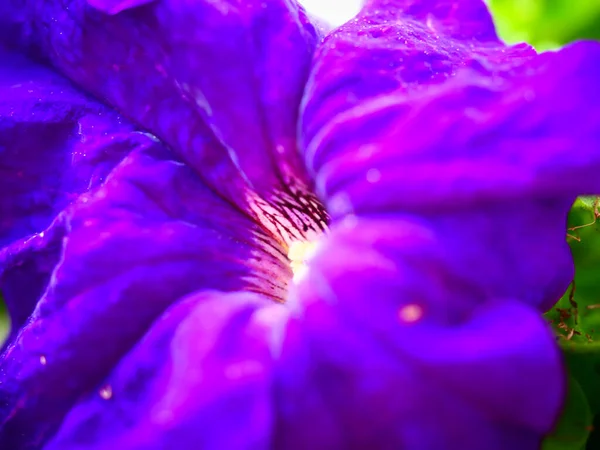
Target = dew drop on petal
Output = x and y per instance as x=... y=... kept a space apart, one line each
x=410 y=313
x=106 y=392
x=373 y=175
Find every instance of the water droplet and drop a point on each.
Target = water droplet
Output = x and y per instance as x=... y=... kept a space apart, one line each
x=43 y=360
x=373 y=175
x=410 y=313
x=106 y=392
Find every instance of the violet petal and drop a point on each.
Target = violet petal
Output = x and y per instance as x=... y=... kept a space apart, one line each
x=387 y=349
x=401 y=114
x=201 y=378
x=55 y=143
x=150 y=235
x=227 y=71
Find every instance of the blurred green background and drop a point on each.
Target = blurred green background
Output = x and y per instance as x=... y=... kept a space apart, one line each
x=548 y=24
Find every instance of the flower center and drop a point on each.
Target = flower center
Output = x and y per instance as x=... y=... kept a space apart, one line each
x=299 y=253
x=295 y=219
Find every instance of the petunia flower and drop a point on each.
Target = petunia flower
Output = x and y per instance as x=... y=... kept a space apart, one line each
x=161 y=159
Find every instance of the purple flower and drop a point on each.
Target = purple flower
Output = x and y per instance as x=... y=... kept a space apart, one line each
x=146 y=229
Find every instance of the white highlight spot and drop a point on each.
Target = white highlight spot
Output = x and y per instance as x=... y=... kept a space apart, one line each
x=333 y=12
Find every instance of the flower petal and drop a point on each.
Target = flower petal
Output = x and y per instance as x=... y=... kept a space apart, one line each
x=55 y=143
x=227 y=71
x=426 y=362
x=456 y=121
x=448 y=162
x=473 y=138
x=402 y=117
x=150 y=235
x=200 y=378
x=462 y=20
x=116 y=6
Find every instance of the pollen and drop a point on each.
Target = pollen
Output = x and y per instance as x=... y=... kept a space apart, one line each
x=299 y=253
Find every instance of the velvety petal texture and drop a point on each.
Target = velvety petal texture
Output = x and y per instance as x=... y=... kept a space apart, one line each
x=155 y=229
x=230 y=72
x=150 y=235
x=453 y=124
x=189 y=383
x=388 y=348
x=55 y=143
x=160 y=270
x=438 y=150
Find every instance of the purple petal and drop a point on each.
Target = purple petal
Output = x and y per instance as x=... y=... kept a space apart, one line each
x=438 y=152
x=462 y=20
x=397 y=338
x=425 y=362
x=55 y=143
x=473 y=138
x=201 y=378
x=153 y=231
x=116 y=6
x=225 y=71
x=401 y=115
x=150 y=235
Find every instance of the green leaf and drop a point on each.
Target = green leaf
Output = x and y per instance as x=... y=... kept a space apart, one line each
x=576 y=317
x=583 y=361
x=574 y=426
